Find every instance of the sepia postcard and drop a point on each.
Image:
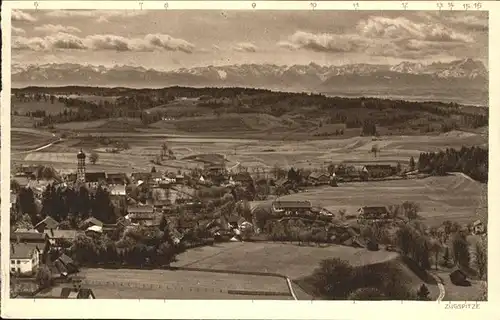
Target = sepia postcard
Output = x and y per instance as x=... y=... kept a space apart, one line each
x=247 y=159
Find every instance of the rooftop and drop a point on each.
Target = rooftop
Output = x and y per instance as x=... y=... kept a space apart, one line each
x=292 y=204
x=95 y=176
x=61 y=234
x=317 y=175
x=23 y=250
x=49 y=223
x=93 y=221
x=140 y=209
x=28 y=236
x=117 y=190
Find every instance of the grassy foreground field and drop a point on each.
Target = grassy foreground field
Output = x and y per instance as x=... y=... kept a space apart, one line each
x=285 y=259
x=296 y=262
x=181 y=284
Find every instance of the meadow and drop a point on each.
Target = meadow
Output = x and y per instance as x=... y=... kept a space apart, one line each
x=181 y=284
x=293 y=261
x=286 y=259
x=455 y=197
x=248 y=152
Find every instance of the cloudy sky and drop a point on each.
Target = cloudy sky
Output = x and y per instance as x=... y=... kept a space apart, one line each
x=182 y=39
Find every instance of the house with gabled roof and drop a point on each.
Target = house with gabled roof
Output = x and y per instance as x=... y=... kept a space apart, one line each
x=47 y=223
x=89 y=222
x=380 y=170
x=24 y=258
x=31 y=237
x=116 y=179
x=68 y=263
x=143 y=215
x=319 y=178
x=93 y=179
x=373 y=213
x=291 y=206
x=58 y=237
x=117 y=191
x=478 y=227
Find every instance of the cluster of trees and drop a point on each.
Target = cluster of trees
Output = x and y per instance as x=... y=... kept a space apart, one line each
x=136 y=247
x=472 y=161
x=416 y=246
x=68 y=205
x=36 y=96
x=296 y=230
x=336 y=279
x=369 y=128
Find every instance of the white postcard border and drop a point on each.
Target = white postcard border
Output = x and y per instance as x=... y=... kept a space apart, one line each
x=230 y=309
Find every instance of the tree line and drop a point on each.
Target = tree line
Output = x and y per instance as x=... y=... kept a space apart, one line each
x=472 y=161
x=354 y=112
x=68 y=205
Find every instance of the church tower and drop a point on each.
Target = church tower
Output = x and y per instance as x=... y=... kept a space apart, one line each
x=80 y=170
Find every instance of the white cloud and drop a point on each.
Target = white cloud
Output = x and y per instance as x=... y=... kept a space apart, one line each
x=18 y=15
x=100 y=42
x=52 y=28
x=323 y=42
x=18 y=30
x=245 y=47
x=109 y=42
x=403 y=28
x=169 y=43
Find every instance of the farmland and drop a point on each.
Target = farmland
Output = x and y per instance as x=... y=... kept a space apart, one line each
x=249 y=152
x=296 y=262
x=27 y=139
x=455 y=198
x=285 y=259
x=181 y=284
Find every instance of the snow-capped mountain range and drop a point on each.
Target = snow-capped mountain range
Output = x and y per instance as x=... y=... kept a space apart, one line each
x=311 y=77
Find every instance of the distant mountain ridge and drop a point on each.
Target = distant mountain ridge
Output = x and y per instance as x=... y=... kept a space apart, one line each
x=464 y=73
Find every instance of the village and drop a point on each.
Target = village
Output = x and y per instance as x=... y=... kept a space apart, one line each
x=206 y=205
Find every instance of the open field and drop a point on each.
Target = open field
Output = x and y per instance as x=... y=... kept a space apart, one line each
x=454 y=197
x=254 y=152
x=285 y=259
x=180 y=284
x=23 y=139
x=103 y=125
x=125 y=292
x=296 y=262
x=89 y=97
x=22 y=121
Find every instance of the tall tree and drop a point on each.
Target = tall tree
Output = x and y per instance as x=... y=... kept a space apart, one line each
x=481 y=257
x=94 y=156
x=412 y=163
x=461 y=254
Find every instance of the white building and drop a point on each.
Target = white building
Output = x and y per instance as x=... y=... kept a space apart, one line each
x=24 y=258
